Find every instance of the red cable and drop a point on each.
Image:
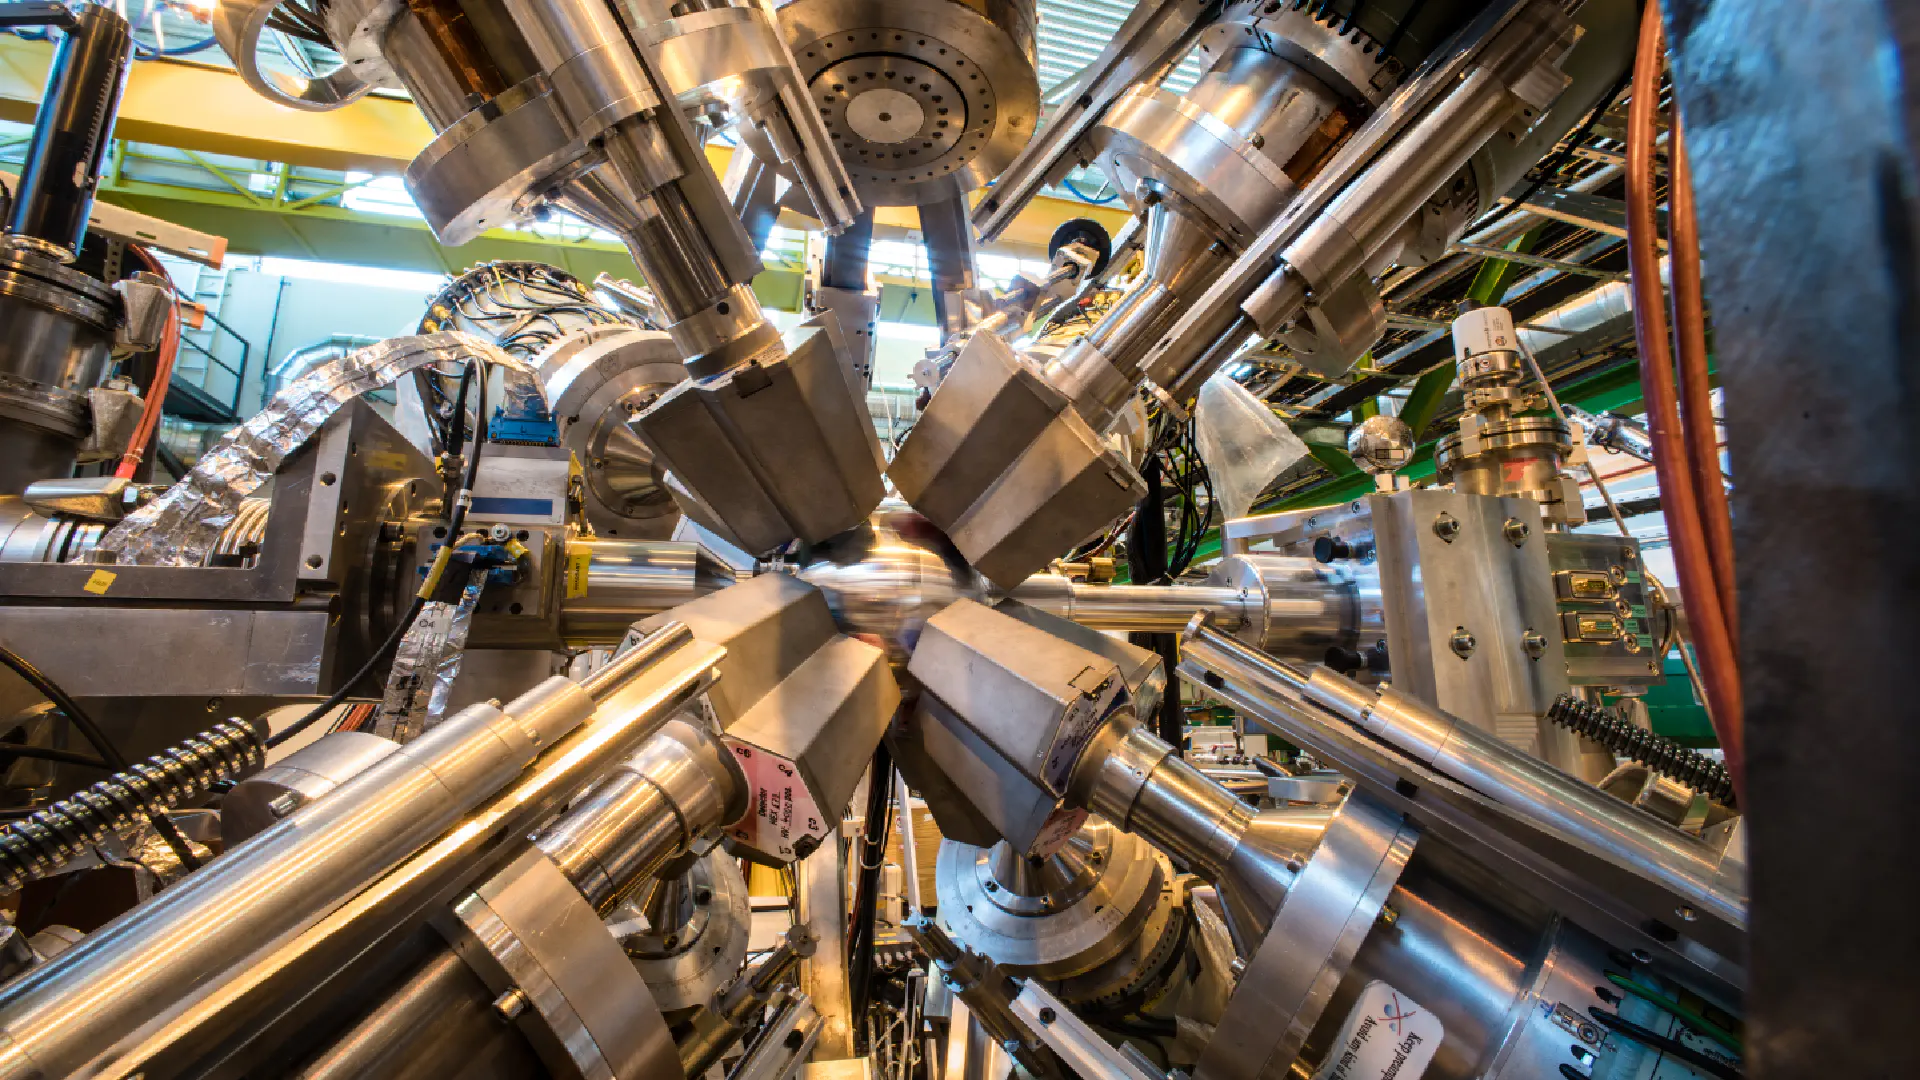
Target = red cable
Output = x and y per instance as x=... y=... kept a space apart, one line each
x=1696 y=387
x=1679 y=500
x=143 y=432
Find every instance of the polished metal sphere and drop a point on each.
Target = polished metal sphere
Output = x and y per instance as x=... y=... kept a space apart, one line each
x=885 y=579
x=1380 y=444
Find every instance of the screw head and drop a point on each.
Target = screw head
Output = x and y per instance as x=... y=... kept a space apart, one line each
x=1534 y=644
x=1461 y=642
x=1446 y=527
x=1516 y=531
x=510 y=1004
x=1047 y=1015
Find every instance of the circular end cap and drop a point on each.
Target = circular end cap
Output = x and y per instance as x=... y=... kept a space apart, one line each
x=1085 y=231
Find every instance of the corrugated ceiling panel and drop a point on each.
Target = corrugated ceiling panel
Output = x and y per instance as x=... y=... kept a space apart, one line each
x=1072 y=33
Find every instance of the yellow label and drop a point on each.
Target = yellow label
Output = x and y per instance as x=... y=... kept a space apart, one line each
x=99 y=582
x=577 y=564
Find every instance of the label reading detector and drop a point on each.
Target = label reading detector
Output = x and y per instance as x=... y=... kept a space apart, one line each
x=1387 y=1036
x=784 y=822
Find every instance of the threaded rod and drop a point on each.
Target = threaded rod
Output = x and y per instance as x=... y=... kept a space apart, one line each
x=42 y=843
x=1656 y=752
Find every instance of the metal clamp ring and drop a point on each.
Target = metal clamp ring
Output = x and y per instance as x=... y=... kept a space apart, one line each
x=238 y=24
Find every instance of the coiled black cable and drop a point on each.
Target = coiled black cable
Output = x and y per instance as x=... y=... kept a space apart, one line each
x=109 y=753
x=1656 y=752
x=52 y=836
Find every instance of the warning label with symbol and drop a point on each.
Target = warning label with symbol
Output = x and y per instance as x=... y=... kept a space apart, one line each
x=783 y=822
x=1387 y=1036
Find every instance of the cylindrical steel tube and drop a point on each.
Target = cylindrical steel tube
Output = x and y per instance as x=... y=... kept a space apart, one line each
x=1159 y=609
x=1367 y=212
x=1180 y=372
x=440 y=60
x=1524 y=784
x=72 y=130
x=631 y=580
x=59 y=1016
x=680 y=784
x=673 y=254
x=621 y=833
x=273 y=907
x=440 y=1019
x=1141 y=785
x=645 y=653
x=711 y=1037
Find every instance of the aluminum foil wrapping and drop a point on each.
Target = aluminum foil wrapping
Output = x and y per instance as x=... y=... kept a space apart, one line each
x=425 y=664
x=184 y=524
x=525 y=398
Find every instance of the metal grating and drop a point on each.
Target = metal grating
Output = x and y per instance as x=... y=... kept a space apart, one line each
x=1072 y=33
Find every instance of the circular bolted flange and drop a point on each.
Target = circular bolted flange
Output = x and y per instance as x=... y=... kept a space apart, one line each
x=238 y=26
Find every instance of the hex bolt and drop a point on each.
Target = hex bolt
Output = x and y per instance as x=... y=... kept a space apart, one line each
x=1534 y=644
x=1516 y=531
x=1446 y=527
x=1462 y=642
x=510 y=1004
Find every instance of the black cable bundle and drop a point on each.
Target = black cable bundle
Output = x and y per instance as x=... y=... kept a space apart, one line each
x=523 y=307
x=1189 y=490
x=1656 y=752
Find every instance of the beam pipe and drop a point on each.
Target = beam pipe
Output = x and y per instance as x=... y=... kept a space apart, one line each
x=1550 y=799
x=680 y=784
x=1156 y=609
x=181 y=973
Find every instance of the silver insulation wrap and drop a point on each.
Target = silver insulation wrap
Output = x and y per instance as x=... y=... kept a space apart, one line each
x=181 y=526
x=425 y=665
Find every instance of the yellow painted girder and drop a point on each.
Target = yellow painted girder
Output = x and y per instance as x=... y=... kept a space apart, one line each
x=209 y=110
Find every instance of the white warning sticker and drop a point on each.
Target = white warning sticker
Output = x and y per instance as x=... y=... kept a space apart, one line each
x=784 y=822
x=1387 y=1036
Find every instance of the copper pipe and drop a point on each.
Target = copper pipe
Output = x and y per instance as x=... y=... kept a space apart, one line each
x=1679 y=500
x=1696 y=390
